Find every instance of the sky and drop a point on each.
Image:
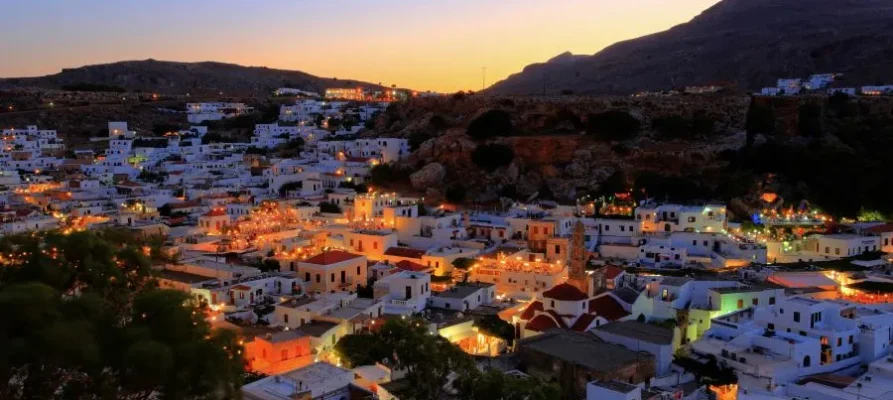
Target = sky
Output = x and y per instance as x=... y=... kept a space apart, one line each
x=439 y=45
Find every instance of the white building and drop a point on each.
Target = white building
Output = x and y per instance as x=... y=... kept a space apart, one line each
x=197 y=113
x=404 y=292
x=843 y=244
x=317 y=381
x=798 y=337
x=464 y=297
x=876 y=90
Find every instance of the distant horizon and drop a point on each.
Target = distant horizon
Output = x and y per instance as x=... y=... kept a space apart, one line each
x=422 y=45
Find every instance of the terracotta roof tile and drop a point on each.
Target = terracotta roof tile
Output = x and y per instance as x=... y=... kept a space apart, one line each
x=331 y=257
x=558 y=318
x=611 y=272
x=880 y=228
x=217 y=212
x=404 y=252
x=541 y=323
x=583 y=322
x=565 y=292
x=531 y=309
x=407 y=265
x=607 y=307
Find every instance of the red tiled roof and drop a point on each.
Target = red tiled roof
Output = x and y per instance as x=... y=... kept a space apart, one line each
x=565 y=292
x=583 y=322
x=407 y=265
x=541 y=323
x=611 y=272
x=607 y=307
x=331 y=257
x=130 y=184
x=558 y=317
x=405 y=252
x=186 y=204
x=880 y=228
x=217 y=212
x=241 y=287
x=531 y=309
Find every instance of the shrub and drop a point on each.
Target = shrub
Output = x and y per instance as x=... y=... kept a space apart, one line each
x=329 y=208
x=455 y=193
x=760 y=119
x=491 y=156
x=613 y=125
x=491 y=124
x=289 y=186
x=810 y=120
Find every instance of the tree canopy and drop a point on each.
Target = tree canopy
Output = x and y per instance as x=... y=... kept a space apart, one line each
x=85 y=320
x=493 y=123
x=613 y=125
x=410 y=347
x=491 y=156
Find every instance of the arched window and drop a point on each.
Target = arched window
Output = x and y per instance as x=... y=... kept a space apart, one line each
x=806 y=361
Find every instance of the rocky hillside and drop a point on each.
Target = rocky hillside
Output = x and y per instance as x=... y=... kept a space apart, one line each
x=683 y=148
x=179 y=78
x=749 y=43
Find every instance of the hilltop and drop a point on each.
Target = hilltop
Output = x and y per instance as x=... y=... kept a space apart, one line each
x=747 y=43
x=168 y=77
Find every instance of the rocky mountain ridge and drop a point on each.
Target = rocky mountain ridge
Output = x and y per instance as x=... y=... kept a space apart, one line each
x=743 y=43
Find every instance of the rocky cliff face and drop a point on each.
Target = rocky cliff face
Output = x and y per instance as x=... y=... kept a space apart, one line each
x=551 y=146
x=558 y=151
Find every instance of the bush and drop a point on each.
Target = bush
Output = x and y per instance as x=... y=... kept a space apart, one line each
x=417 y=138
x=760 y=120
x=491 y=124
x=289 y=186
x=613 y=125
x=455 y=193
x=809 y=123
x=463 y=263
x=212 y=137
x=329 y=208
x=161 y=129
x=673 y=126
x=387 y=174
x=489 y=157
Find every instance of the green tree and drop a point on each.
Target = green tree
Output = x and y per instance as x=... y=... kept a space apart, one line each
x=288 y=187
x=86 y=320
x=760 y=120
x=330 y=208
x=493 y=123
x=497 y=327
x=613 y=125
x=497 y=385
x=463 y=263
x=455 y=193
x=809 y=123
x=490 y=156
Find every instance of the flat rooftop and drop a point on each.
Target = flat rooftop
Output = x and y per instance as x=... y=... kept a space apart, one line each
x=737 y=289
x=461 y=291
x=183 y=277
x=317 y=328
x=584 y=349
x=639 y=331
x=317 y=378
x=616 y=386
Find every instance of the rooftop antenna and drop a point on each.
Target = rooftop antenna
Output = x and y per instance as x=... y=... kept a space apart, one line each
x=483 y=78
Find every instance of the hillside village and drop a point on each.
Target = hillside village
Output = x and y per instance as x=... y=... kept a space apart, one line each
x=611 y=299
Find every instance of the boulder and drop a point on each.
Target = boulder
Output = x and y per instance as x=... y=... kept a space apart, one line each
x=430 y=175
